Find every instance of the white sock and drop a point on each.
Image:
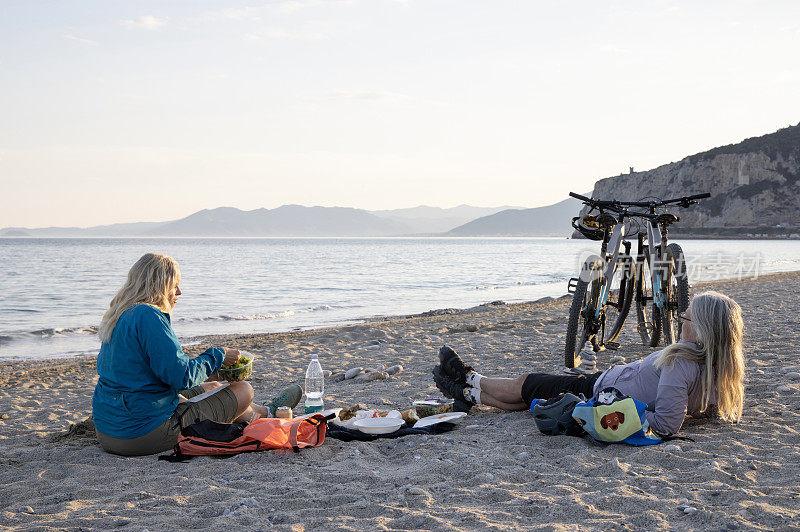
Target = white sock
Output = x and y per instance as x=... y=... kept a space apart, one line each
x=474 y=379
x=473 y=394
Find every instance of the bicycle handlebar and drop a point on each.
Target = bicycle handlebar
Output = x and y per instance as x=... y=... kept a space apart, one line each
x=578 y=196
x=599 y=203
x=683 y=202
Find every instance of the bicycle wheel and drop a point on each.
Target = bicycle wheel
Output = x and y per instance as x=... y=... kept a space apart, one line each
x=619 y=300
x=647 y=313
x=581 y=312
x=677 y=296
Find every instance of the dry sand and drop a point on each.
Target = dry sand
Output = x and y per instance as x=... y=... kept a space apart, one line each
x=495 y=471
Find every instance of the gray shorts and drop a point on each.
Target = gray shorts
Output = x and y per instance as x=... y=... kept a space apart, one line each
x=220 y=406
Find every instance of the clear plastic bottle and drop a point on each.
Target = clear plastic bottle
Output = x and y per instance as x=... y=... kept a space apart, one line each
x=315 y=386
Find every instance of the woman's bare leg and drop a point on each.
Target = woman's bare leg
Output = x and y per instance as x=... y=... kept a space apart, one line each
x=489 y=400
x=503 y=391
x=244 y=398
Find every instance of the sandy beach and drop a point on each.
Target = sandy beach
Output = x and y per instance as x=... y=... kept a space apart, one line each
x=494 y=471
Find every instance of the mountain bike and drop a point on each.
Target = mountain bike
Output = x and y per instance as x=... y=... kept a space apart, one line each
x=662 y=295
x=608 y=283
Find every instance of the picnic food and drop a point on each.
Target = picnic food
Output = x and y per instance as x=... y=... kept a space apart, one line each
x=431 y=407
x=237 y=371
x=410 y=416
x=349 y=413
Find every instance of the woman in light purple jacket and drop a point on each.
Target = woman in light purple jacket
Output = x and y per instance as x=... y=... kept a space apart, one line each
x=700 y=375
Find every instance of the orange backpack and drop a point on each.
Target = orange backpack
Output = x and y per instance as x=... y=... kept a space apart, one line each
x=211 y=438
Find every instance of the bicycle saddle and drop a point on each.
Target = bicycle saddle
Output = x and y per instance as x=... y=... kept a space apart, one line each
x=606 y=220
x=666 y=219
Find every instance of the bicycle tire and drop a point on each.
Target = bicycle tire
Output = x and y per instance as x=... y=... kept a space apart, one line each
x=585 y=296
x=647 y=313
x=677 y=293
x=624 y=278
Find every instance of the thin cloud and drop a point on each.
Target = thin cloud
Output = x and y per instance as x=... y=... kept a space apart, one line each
x=263 y=12
x=238 y=13
x=611 y=48
x=290 y=6
x=365 y=96
x=300 y=34
x=82 y=40
x=148 y=22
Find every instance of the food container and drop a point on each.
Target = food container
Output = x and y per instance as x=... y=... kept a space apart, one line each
x=284 y=412
x=431 y=407
x=239 y=371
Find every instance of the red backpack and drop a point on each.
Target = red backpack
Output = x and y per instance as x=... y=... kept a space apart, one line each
x=212 y=438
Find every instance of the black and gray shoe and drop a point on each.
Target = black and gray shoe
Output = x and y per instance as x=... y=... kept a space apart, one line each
x=450 y=388
x=453 y=366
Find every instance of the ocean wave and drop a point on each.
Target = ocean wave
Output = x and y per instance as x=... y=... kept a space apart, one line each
x=781 y=261
x=240 y=317
x=318 y=308
x=49 y=333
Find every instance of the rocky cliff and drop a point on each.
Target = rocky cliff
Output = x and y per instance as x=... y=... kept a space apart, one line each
x=754 y=184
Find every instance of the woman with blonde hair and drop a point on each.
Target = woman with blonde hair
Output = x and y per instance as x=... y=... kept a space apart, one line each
x=702 y=374
x=140 y=401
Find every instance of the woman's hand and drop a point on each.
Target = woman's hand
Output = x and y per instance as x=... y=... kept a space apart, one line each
x=231 y=356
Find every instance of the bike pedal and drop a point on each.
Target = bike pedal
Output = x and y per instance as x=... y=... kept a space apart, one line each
x=612 y=345
x=571 y=284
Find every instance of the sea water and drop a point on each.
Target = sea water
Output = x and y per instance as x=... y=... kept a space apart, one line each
x=53 y=292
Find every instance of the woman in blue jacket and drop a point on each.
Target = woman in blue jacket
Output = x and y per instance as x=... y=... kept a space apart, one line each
x=140 y=401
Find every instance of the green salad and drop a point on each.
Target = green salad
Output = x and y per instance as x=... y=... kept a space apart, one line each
x=238 y=371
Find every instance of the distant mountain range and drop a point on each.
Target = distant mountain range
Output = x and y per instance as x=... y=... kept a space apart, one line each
x=300 y=221
x=424 y=219
x=552 y=220
x=755 y=187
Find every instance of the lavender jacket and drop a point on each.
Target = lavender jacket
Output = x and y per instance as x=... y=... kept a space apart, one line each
x=670 y=392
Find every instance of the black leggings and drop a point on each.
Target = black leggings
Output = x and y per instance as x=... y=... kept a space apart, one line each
x=545 y=386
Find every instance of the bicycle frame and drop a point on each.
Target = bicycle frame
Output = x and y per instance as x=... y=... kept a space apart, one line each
x=615 y=242
x=655 y=242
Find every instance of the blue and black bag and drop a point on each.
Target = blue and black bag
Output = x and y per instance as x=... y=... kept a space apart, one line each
x=613 y=417
x=610 y=417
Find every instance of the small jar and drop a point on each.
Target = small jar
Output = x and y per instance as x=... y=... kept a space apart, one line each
x=284 y=412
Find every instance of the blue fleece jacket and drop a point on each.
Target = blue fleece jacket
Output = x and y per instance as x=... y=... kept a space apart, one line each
x=142 y=369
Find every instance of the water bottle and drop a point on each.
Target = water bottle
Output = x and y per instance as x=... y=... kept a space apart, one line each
x=315 y=386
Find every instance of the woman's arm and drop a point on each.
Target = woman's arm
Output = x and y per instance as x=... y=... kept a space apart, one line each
x=166 y=358
x=672 y=399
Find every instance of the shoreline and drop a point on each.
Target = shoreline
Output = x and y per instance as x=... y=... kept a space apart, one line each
x=194 y=343
x=494 y=470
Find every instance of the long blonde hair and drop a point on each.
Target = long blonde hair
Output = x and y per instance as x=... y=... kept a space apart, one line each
x=717 y=320
x=149 y=281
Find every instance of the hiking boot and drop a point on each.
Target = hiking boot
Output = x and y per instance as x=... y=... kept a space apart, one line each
x=450 y=388
x=289 y=396
x=453 y=366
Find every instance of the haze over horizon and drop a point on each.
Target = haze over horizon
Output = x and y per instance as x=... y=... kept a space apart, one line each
x=151 y=111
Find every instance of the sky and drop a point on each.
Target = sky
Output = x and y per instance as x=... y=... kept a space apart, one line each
x=115 y=111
